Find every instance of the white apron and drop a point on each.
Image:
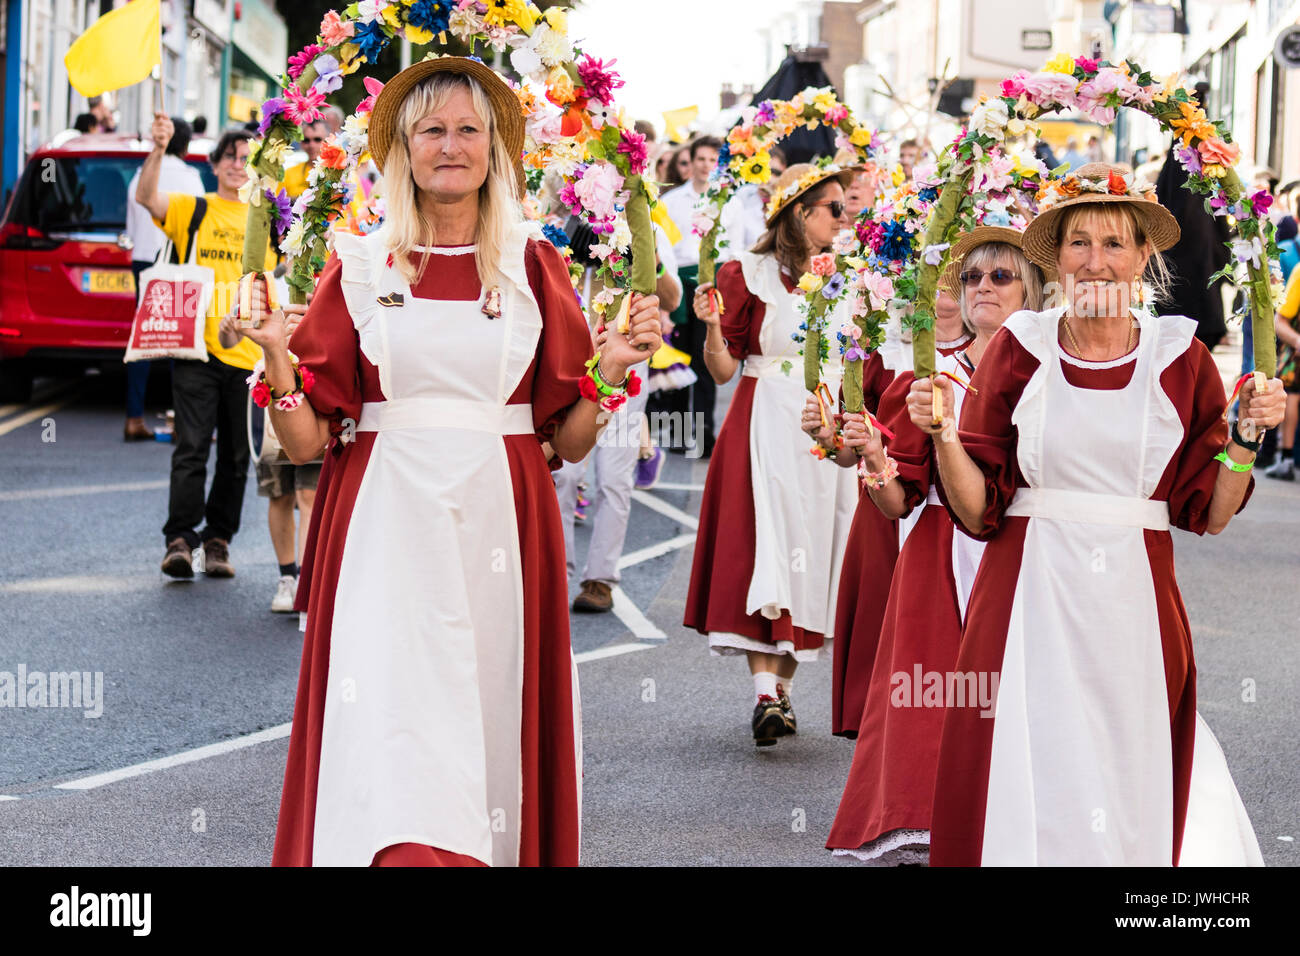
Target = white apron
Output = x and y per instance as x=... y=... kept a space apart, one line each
x=802 y=507
x=421 y=735
x=1081 y=766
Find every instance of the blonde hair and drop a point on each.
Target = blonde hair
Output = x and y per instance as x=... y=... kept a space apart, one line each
x=985 y=257
x=1156 y=277
x=406 y=226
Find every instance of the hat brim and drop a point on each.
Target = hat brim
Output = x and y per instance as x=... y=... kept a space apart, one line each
x=844 y=176
x=1040 y=240
x=507 y=114
x=968 y=241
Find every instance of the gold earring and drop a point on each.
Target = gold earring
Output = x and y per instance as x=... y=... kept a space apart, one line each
x=1136 y=293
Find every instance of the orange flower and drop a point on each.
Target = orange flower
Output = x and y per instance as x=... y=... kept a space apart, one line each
x=1193 y=124
x=1068 y=187
x=332 y=156
x=1215 y=152
x=1115 y=182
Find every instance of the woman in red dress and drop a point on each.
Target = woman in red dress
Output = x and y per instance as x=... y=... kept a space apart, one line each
x=1097 y=427
x=773 y=522
x=884 y=814
x=437 y=713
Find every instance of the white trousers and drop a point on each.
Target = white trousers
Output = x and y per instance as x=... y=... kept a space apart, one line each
x=613 y=462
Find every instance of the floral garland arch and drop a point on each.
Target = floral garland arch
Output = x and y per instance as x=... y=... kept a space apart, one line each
x=745 y=156
x=1098 y=89
x=574 y=127
x=877 y=261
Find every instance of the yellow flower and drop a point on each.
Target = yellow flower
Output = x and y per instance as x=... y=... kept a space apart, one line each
x=1193 y=124
x=898 y=176
x=392 y=16
x=1061 y=63
x=560 y=85
x=1016 y=126
x=501 y=13
x=1214 y=171
x=349 y=57
x=825 y=100
x=418 y=35
x=557 y=18
x=274 y=151
x=757 y=169
x=810 y=282
x=861 y=136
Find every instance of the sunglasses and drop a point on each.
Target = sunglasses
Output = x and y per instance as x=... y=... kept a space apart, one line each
x=998 y=276
x=837 y=207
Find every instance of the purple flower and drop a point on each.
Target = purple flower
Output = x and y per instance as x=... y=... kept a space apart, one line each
x=854 y=354
x=270 y=110
x=833 y=287
x=281 y=214
x=1190 y=159
x=1260 y=202
x=329 y=75
x=1219 y=205
x=766 y=113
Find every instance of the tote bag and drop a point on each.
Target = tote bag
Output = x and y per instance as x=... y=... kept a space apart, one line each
x=172 y=313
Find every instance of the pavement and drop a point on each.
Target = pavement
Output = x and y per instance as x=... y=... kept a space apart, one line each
x=185 y=765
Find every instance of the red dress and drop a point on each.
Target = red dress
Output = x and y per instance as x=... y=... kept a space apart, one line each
x=1102 y=788
x=885 y=809
x=328 y=343
x=816 y=524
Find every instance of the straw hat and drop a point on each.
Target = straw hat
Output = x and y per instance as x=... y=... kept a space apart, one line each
x=1096 y=183
x=966 y=243
x=508 y=116
x=797 y=180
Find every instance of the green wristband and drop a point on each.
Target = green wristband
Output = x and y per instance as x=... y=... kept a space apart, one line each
x=1232 y=465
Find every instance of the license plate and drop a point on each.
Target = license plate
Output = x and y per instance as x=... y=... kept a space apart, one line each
x=106 y=281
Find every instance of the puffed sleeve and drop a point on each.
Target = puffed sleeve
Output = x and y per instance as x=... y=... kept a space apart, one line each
x=326 y=343
x=742 y=311
x=986 y=431
x=1195 y=471
x=565 y=344
x=910 y=447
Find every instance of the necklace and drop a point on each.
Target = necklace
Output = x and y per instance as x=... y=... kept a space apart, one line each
x=1074 y=343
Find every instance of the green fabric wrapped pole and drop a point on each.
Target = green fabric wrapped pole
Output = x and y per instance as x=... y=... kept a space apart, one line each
x=643 y=253
x=709 y=254
x=853 y=372
x=1260 y=294
x=942 y=220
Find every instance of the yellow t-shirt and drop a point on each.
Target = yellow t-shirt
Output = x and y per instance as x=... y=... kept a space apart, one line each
x=295 y=179
x=1291 y=301
x=219 y=242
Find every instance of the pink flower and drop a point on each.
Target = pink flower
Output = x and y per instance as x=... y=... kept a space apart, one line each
x=1085 y=64
x=373 y=87
x=823 y=265
x=995 y=175
x=303 y=108
x=1216 y=151
x=633 y=145
x=597 y=189
x=599 y=79
x=1045 y=89
x=308 y=378
x=836 y=114
x=334 y=31
x=1014 y=86
x=299 y=61
x=880 y=288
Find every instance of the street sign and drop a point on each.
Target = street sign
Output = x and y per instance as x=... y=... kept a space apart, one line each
x=1035 y=39
x=1287 y=48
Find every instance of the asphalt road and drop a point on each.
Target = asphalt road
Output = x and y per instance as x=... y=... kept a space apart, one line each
x=671 y=774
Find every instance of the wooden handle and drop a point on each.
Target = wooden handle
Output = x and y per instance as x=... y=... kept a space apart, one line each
x=937 y=417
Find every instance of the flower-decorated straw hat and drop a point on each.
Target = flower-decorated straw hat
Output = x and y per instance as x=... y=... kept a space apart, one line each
x=1095 y=183
x=800 y=178
x=508 y=117
x=980 y=236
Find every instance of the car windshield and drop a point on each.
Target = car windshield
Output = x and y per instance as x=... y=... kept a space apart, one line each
x=81 y=193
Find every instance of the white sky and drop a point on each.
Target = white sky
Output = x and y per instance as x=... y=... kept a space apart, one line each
x=675 y=53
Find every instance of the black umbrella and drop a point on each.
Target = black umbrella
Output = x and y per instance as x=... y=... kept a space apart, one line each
x=791 y=77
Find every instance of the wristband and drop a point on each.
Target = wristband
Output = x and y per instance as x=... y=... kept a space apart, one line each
x=877 y=479
x=1232 y=465
x=1248 y=445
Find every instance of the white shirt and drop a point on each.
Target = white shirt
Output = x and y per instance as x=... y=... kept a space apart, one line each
x=174 y=176
x=743 y=223
x=680 y=203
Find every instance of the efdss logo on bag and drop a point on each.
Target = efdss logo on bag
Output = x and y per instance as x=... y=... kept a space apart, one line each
x=166 y=315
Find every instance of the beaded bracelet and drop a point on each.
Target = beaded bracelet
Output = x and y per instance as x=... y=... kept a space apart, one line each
x=878 y=479
x=264 y=394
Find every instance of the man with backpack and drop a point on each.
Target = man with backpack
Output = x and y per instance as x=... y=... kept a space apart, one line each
x=207 y=395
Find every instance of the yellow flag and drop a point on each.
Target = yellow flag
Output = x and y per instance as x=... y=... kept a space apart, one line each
x=660 y=215
x=120 y=48
x=676 y=121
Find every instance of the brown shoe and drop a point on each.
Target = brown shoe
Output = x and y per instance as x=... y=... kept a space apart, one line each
x=137 y=430
x=178 y=562
x=595 y=598
x=216 y=559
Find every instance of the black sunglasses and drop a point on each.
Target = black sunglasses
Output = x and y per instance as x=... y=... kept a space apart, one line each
x=837 y=207
x=998 y=276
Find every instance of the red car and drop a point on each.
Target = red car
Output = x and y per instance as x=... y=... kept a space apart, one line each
x=67 y=295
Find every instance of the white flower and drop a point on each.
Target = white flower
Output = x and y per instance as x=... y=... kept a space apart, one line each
x=603 y=298
x=844 y=242
x=933 y=255
x=274 y=150
x=463 y=24
x=552 y=46
x=565 y=157
x=292 y=243
x=601 y=115
x=990 y=118
x=526 y=61
x=622 y=237
x=368 y=11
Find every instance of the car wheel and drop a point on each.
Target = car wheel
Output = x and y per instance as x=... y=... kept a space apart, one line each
x=15 y=382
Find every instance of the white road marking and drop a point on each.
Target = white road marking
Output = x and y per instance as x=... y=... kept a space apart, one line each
x=176 y=760
x=30 y=493
x=5 y=796
x=612 y=650
x=672 y=486
x=664 y=508
x=19 y=421
x=655 y=550
x=642 y=628
x=81 y=584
